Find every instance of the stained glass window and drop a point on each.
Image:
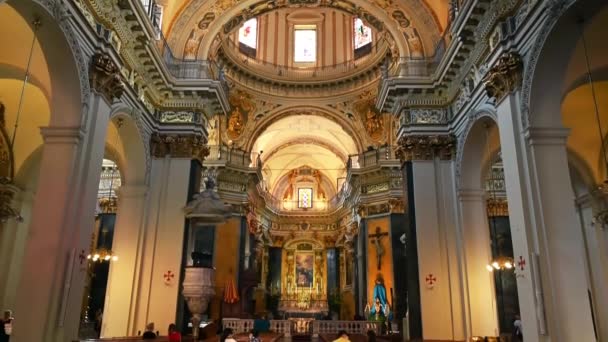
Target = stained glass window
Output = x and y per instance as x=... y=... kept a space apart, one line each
x=248 y=33
x=363 y=34
x=305 y=44
x=305 y=198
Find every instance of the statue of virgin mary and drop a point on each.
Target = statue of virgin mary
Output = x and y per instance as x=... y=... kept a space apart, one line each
x=379 y=301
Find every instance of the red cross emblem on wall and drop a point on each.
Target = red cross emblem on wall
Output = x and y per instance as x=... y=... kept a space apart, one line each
x=521 y=263
x=430 y=280
x=168 y=276
x=82 y=257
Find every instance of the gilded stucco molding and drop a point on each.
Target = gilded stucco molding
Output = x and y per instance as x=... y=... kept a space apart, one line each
x=505 y=77
x=179 y=146
x=105 y=77
x=426 y=147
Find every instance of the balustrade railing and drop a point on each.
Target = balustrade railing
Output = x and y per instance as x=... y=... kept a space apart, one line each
x=261 y=67
x=370 y=158
x=417 y=66
x=232 y=156
x=290 y=327
x=240 y=326
x=351 y=327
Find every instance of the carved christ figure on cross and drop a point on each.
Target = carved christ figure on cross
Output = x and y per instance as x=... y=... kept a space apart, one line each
x=378 y=243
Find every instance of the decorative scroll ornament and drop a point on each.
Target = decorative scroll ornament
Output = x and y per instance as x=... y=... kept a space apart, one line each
x=504 y=77
x=425 y=116
x=105 y=77
x=179 y=117
x=179 y=146
x=426 y=147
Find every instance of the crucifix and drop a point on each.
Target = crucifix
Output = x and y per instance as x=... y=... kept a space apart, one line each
x=379 y=249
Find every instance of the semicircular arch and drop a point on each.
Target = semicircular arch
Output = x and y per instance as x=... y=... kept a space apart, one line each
x=473 y=158
x=272 y=118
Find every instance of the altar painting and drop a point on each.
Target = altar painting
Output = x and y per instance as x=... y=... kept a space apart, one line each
x=304 y=269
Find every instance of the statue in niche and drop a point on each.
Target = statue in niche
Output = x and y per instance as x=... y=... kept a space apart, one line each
x=291 y=179
x=319 y=273
x=191 y=47
x=379 y=310
x=414 y=42
x=377 y=241
x=235 y=123
x=319 y=178
x=213 y=132
x=373 y=123
x=252 y=221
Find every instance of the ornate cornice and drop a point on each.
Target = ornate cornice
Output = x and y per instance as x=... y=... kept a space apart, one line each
x=426 y=147
x=179 y=146
x=504 y=77
x=105 y=78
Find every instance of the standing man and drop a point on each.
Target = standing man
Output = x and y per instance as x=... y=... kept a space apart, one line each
x=6 y=326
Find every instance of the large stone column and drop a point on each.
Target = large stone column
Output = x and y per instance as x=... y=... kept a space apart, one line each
x=476 y=246
x=49 y=296
x=436 y=229
x=124 y=276
x=547 y=242
x=157 y=286
x=14 y=236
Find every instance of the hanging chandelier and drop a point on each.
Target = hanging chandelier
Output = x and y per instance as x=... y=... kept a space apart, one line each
x=500 y=263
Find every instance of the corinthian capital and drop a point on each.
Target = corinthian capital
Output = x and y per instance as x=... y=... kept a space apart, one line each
x=426 y=147
x=504 y=77
x=105 y=78
x=179 y=146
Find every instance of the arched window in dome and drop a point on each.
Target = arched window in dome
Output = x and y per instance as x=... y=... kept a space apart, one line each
x=362 y=38
x=305 y=44
x=248 y=37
